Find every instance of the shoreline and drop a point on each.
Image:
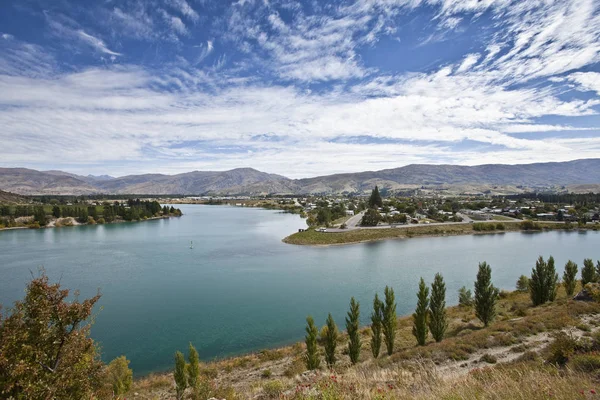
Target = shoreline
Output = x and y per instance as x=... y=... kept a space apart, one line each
x=51 y=225
x=324 y=239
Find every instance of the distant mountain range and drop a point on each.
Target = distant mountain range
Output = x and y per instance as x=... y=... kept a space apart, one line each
x=249 y=181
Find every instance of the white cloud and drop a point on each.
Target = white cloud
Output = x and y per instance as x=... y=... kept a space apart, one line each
x=586 y=81
x=185 y=9
x=96 y=43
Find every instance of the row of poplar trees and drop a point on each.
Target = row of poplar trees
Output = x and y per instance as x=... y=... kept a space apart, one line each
x=430 y=313
x=383 y=329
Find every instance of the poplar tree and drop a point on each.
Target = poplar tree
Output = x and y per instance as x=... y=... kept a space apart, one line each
x=570 y=277
x=179 y=375
x=486 y=295
x=551 y=280
x=193 y=369
x=420 y=315
x=389 y=319
x=312 y=352
x=352 y=325
x=376 y=322
x=331 y=337
x=588 y=273
x=437 y=309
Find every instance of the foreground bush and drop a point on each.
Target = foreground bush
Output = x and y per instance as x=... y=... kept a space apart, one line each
x=45 y=348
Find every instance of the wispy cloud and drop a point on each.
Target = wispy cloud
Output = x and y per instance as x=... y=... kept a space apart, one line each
x=263 y=83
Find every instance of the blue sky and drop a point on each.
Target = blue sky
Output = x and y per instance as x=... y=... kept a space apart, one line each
x=298 y=88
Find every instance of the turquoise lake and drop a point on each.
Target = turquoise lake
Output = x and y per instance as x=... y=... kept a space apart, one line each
x=241 y=289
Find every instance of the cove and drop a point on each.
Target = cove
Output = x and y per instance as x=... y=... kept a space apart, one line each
x=240 y=289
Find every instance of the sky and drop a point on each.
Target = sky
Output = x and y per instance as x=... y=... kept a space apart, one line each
x=297 y=88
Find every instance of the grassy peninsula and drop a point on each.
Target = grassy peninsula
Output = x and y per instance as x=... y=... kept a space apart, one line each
x=316 y=238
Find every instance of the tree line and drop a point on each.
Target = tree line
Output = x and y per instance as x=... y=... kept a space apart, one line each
x=430 y=316
x=132 y=210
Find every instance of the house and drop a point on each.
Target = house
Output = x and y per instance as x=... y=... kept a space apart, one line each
x=349 y=212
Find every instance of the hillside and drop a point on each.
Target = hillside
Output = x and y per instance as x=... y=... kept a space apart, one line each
x=581 y=174
x=8 y=198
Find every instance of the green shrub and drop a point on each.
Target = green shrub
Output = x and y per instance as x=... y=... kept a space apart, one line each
x=266 y=373
x=119 y=375
x=500 y=226
x=529 y=225
x=273 y=389
x=488 y=358
x=561 y=348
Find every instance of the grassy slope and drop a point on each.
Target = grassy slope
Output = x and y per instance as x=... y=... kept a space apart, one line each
x=414 y=372
x=311 y=237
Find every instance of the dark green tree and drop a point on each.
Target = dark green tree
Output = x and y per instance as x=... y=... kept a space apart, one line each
x=56 y=212
x=330 y=339
x=390 y=320
x=537 y=283
x=312 y=351
x=597 y=270
x=551 y=280
x=371 y=217
x=437 y=308
x=352 y=325
x=486 y=295
x=375 y=199
x=570 y=277
x=179 y=375
x=39 y=216
x=588 y=273
x=420 y=315
x=376 y=322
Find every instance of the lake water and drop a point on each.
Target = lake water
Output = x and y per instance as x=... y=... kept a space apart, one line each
x=240 y=288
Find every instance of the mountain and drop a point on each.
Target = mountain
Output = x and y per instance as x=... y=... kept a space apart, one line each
x=584 y=173
x=530 y=175
x=29 y=181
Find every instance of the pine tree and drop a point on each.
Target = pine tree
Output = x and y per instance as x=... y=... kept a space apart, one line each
x=390 y=320
x=331 y=336
x=375 y=199
x=376 y=322
x=352 y=325
x=570 y=277
x=420 y=315
x=437 y=309
x=597 y=270
x=193 y=369
x=486 y=295
x=588 y=274
x=551 y=280
x=312 y=352
x=179 y=374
